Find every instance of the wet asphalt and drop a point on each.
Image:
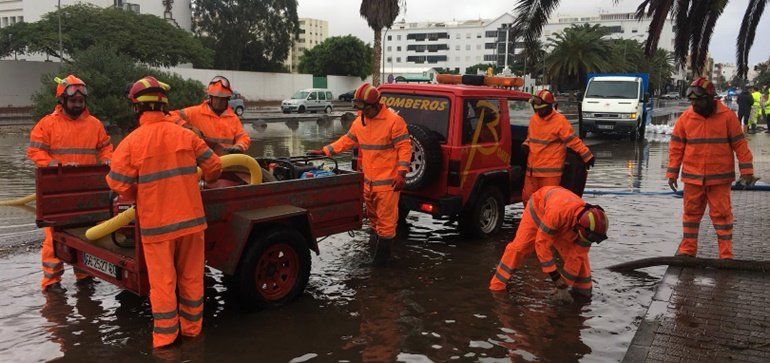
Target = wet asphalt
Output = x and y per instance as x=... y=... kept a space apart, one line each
x=431 y=305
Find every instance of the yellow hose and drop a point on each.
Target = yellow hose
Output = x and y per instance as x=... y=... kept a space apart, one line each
x=125 y=217
x=24 y=200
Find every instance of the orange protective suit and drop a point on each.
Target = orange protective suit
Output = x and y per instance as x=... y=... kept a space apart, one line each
x=57 y=138
x=548 y=139
x=385 y=150
x=156 y=164
x=219 y=131
x=548 y=223
x=703 y=149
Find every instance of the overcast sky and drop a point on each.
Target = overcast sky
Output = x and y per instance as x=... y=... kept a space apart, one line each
x=343 y=18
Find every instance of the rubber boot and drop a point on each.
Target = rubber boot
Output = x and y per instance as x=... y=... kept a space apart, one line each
x=382 y=251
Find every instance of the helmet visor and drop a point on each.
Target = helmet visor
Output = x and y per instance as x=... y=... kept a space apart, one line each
x=74 y=89
x=222 y=80
x=695 y=92
x=538 y=103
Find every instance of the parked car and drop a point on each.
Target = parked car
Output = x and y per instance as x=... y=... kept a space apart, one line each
x=236 y=102
x=670 y=96
x=347 y=96
x=311 y=99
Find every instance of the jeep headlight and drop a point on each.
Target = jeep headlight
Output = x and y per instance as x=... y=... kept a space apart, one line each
x=632 y=116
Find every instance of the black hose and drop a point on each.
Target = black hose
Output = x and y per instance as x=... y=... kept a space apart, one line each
x=693 y=262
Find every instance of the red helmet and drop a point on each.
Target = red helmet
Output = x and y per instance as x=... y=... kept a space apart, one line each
x=701 y=87
x=542 y=99
x=219 y=87
x=367 y=94
x=149 y=90
x=592 y=224
x=69 y=86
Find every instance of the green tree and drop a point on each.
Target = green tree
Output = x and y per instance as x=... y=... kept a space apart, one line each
x=693 y=26
x=474 y=69
x=378 y=14
x=247 y=35
x=763 y=74
x=627 y=56
x=576 y=51
x=106 y=74
x=143 y=38
x=343 y=56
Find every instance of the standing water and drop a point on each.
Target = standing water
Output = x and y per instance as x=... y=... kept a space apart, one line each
x=432 y=304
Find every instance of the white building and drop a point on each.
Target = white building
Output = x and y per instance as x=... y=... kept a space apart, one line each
x=311 y=33
x=619 y=26
x=451 y=44
x=178 y=12
x=726 y=70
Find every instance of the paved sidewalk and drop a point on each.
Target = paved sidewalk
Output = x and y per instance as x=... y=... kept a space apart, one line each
x=711 y=315
x=707 y=314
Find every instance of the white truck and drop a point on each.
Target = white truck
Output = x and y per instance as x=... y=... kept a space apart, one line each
x=616 y=104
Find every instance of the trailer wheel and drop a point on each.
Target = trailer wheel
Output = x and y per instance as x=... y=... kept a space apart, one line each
x=274 y=270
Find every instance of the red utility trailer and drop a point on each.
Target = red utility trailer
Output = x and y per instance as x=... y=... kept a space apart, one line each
x=261 y=235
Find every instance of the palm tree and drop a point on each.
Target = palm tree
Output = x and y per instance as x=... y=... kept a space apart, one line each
x=378 y=14
x=576 y=51
x=694 y=22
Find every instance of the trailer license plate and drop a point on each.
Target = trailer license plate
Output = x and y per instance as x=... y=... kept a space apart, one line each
x=605 y=126
x=100 y=265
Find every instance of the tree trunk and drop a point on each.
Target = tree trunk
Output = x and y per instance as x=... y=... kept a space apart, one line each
x=377 y=57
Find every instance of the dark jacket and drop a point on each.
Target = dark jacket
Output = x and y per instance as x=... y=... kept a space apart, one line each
x=745 y=100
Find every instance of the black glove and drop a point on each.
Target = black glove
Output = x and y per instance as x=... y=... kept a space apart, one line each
x=315 y=153
x=590 y=163
x=232 y=150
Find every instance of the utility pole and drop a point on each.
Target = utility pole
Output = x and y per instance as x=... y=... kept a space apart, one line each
x=61 y=44
x=507 y=33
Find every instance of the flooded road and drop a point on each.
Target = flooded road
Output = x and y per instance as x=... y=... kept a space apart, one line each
x=431 y=305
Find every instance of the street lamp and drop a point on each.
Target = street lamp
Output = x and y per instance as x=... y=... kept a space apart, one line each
x=61 y=46
x=384 y=37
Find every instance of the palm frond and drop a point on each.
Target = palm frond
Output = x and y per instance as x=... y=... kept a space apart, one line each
x=681 y=31
x=658 y=10
x=379 y=13
x=706 y=31
x=531 y=17
x=746 y=34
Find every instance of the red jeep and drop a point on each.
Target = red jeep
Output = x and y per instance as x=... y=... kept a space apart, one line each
x=466 y=151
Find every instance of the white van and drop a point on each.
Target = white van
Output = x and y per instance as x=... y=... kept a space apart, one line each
x=311 y=99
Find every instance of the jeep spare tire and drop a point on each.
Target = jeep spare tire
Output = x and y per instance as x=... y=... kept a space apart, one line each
x=426 y=157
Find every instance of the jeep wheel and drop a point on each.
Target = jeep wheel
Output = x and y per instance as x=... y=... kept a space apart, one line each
x=301 y=109
x=485 y=216
x=274 y=270
x=426 y=157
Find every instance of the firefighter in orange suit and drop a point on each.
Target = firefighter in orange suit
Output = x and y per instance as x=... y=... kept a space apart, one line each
x=555 y=218
x=548 y=137
x=216 y=121
x=156 y=165
x=702 y=146
x=68 y=136
x=386 y=154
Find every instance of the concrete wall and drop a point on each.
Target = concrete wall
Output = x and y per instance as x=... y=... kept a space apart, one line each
x=254 y=86
x=21 y=80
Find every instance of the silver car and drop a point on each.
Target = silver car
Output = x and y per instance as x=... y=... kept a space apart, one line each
x=311 y=99
x=236 y=102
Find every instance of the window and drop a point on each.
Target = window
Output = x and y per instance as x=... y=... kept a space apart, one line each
x=322 y=96
x=390 y=37
x=426 y=111
x=491 y=33
x=301 y=22
x=329 y=96
x=484 y=113
x=12 y=20
x=20 y=19
x=519 y=112
x=490 y=45
x=398 y=37
x=467 y=47
x=457 y=47
x=490 y=58
x=612 y=29
x=634 y=30
x=389 y=48
x=390 y=60
x=467 y=35
x=302 y=31
x=313 y=96
x=478 y=46
x=398 y=59
x=398 y=49
x=457 y=35
x=478 y=36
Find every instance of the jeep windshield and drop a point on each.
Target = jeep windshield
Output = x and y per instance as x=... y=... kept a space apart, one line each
x=431 y=112
x=300 y=95
x=613 y=89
